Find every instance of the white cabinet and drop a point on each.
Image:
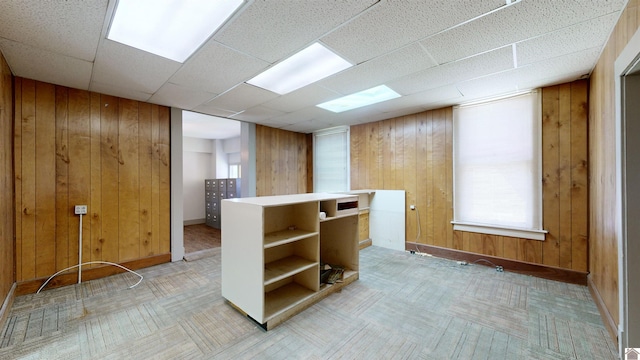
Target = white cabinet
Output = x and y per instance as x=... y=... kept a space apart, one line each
x=273 y=248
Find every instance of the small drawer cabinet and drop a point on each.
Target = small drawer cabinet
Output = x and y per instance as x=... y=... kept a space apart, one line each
x=215 y=190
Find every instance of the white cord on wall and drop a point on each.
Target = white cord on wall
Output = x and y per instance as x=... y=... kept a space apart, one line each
x=80 y=263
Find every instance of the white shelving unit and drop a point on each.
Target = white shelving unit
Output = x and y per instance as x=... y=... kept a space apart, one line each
x=273 y=246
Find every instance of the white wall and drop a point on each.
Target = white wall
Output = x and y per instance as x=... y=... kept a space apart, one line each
x=197 y=165
x=204 y=159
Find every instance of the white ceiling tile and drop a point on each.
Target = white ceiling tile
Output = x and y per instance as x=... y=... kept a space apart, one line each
x=307 y=96
x=408 y=60
x=272 y=30
x=579 y=62
x=181 y=97
x=70 y=28
x=115 y=90
x=38 y=64
x=390 y=25
x=257 y=114
x=489 y=86
x=567 y=40
x=302 y=115
x=426 y=98
x=208 y=127
x=211 y=110
x=520 y=21
x=216 y=68
x=307 y=127
x=473 y=67
x=126 y=67
x=242 y=97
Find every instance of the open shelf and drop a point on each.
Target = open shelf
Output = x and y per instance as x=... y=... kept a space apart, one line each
x=282 y=237
x=284 y=298
x=272 y=249
x=283 y=268
x=336 y=217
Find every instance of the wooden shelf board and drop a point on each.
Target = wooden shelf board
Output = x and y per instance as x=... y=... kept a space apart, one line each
x=283 y=298
x=286 y=236
x=338 y=217
x=283 y=268
x=295 y=298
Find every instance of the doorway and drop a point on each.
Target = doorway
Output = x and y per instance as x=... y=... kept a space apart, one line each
x=627 y=71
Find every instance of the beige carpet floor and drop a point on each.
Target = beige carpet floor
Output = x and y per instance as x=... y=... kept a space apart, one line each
x=403 y=307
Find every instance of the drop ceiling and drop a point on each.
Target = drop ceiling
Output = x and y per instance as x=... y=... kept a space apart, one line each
x=434 y=53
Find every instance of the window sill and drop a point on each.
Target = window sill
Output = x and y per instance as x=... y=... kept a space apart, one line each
x=501 y=231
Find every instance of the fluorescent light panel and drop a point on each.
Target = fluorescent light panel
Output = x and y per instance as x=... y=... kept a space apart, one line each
x=173 y=29
x=305 y=67
x=363 y=98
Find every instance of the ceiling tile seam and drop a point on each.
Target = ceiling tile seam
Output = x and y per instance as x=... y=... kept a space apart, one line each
x=38 y=48
x=469 y=20
x=571 y=25
x=613 y=27
x=458 y=60
x=428 y=53
x=111 y=5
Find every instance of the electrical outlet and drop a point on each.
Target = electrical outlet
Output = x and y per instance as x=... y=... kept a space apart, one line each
x=81 y=209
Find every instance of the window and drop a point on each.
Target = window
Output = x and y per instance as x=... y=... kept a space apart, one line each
x=331 y=160
x=234 y=171
x=497 y=167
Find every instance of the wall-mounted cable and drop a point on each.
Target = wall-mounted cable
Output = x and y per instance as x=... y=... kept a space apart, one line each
x=82 y=210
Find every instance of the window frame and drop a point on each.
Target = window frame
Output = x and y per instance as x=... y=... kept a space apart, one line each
x=330 y=131
x=535 y=233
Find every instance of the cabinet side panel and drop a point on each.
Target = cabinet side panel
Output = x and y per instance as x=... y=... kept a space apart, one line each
x=242 y=257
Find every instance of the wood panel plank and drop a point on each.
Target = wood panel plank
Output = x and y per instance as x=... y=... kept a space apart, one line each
x=429 y=185
x=17 y=176
x=550 y=172
x=164 y=210
x=145 y=154
x=388 y=150
x=564 y=176
x=475 y=243
x=449 y=174
x=355 y=145
x=155 y=180
x=62 y=178
x=579 y=176
x=109 y=167
x=421 y=175
x=94 y=211
x=79 y=170
x=45 y=126
x=439 y=178
x=129 y=181
x=410 y=165
x=28 y=201
x=530 y=251
x=400 y=154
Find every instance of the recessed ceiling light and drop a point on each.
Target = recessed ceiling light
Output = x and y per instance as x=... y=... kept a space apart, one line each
x=171 y=29
x=363 y=98
x=305 y=67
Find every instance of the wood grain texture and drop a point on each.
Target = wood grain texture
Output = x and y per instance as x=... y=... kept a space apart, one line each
x=422 y=165
x=89 y=149
x=602 y=242
x=7 y=210
x=281 y=161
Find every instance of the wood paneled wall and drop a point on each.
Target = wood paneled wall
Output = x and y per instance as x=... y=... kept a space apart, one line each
x=7 y=215
x=414 y=153
x=603 y=244
x=74 y=147
x=281 y=161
